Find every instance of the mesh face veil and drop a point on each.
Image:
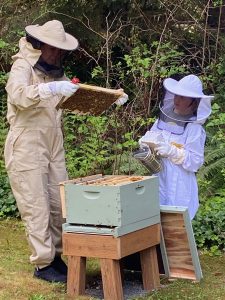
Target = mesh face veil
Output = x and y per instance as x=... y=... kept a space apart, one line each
x=50 y=70
x=36 y=44
x=189 y=86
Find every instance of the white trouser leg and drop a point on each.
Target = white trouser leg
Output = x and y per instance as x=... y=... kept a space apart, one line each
x=31 y=192
x=57 y=173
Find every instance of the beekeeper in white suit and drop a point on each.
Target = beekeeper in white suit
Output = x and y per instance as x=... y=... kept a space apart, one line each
x=34 y=153
x=181 y=140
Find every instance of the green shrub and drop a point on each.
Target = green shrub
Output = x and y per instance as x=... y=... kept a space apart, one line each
x=212 y=174
x=8 y=205
x=209 y=224
x=87 y=151
x=101 y=144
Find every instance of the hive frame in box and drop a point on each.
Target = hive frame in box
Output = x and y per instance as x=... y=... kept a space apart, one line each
x=176 y=223
x=89 y=99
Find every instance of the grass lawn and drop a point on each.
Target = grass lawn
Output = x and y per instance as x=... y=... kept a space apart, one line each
x=17 y=282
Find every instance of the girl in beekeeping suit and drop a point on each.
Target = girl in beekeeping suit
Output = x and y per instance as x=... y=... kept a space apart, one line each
x=34 y=153
x=179 y=138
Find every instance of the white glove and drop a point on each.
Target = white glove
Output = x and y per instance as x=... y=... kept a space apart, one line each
x=142 y=145
x=121 y=100
x=175 y=154
x=152 y=139
x=64 y=88
x=61 y=88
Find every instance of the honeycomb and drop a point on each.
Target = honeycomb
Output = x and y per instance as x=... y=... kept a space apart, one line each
x=91 y=100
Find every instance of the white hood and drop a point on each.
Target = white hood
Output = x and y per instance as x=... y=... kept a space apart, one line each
x=189 y=86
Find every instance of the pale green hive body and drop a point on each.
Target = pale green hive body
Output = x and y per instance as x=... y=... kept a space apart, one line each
x=115 y=209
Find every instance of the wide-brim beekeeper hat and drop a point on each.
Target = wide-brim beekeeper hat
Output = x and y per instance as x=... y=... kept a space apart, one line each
x=188 y=86
x=53 y=34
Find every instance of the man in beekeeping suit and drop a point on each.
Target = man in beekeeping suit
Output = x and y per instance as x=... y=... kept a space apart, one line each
x=34 y=153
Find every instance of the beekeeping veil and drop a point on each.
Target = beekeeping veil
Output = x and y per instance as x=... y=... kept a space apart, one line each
x=51 y=33
x=189 y=86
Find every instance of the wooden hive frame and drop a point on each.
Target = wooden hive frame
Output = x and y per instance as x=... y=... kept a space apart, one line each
x=114 y=180
x=90 y=99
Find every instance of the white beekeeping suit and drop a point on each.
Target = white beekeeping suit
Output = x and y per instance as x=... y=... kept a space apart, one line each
x=180 y=144
x=34 y=152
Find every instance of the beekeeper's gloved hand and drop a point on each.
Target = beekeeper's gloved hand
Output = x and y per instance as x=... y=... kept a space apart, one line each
x=60 y=88
x=175 y=154
x=123 y=99
x=141 y=144
x=65 y=88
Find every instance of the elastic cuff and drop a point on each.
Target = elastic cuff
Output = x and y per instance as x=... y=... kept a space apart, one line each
x=39 y=267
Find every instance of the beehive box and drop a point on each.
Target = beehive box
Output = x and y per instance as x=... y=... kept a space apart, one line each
x=111 y=204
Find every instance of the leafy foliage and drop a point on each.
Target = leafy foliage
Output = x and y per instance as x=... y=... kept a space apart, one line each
x=209 y=224
x=142 y=71
x=86 y=149
x=213 y=171
x=97 y=144
x=8 y=205
x=7 y=202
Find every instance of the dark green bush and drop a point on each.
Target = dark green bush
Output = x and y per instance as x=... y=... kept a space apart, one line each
x=8 y=205
x=102 y=144
x=209 y=224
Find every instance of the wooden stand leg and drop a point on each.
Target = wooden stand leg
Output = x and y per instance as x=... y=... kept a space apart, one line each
x=121 y=271
x=150 y=270
x=111 y=279
x=76 y=275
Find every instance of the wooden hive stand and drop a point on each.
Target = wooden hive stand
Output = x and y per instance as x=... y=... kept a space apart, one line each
x=110 y=249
